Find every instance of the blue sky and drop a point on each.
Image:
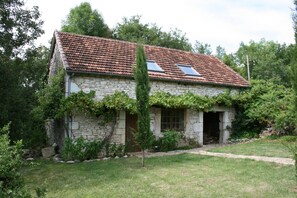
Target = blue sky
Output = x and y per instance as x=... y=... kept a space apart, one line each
x=217 y=22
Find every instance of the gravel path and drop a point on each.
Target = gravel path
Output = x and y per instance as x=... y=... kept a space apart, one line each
x=203 y=151
x=278 y=160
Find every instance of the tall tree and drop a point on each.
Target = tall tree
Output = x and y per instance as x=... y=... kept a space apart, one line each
x=19 y=73
x=133 y=30
x=18 y=27
x=83 y=20
x=294 y=68
x=202 y=48
x=144 y=136
x=267 y=60
x=220 y=52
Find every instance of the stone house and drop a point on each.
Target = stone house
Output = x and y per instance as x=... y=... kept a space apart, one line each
x=106 y=65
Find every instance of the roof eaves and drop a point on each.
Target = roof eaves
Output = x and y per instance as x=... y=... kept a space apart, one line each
x=68 y=70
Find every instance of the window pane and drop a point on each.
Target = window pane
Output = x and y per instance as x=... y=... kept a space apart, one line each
x=172 y=119
x=187 y=69
x=153 y=66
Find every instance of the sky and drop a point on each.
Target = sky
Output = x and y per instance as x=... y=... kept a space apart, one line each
x=217 y=22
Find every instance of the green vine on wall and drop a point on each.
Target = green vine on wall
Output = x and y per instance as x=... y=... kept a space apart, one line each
x=85 y=102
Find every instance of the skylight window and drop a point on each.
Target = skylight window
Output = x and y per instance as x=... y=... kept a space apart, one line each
x=153 y=66
x=188 y=70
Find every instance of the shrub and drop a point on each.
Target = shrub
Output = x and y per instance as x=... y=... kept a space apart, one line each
x=113 y=149
x=264 y=105
x=81 y=149
x=168 y=142
x=11 y=182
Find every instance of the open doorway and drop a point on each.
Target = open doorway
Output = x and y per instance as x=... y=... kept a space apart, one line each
x=211 y=127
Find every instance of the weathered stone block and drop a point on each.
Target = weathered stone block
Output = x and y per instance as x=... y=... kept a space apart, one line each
x=48 y=152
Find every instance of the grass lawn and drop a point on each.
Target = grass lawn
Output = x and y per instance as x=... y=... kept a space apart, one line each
x=262 y=147
x=184 y=175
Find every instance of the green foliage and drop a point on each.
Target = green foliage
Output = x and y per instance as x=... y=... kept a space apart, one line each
x=168 y=142
x=50 y=98
x=293 y=77
x=22 y=67
x=11 y=181
x=84 y=102
x=19 y=26
x=294 y=18
x=105 y=109
x=113 y=150
x=83 y=20
x=268 y=60
x=40 y=192
x=144 y=136
x=133 y=30
x=187 y=100
x=265 y=104
x=81 y=149
x=202 y=48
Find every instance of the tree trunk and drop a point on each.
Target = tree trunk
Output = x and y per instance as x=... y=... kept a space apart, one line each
x=143 y=156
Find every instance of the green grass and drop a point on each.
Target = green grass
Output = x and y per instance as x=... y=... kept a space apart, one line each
x=262 y=147
x=183 y=175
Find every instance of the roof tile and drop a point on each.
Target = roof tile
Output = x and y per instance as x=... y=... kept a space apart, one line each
x=107 y=56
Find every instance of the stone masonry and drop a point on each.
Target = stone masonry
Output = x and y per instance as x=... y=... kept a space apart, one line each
x=89 y=127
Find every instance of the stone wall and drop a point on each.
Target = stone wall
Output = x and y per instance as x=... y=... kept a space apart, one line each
x=56 y=61
x=108 y=85
x=90 y=129
x=194 y=125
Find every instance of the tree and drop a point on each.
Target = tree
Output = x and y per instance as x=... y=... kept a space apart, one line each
x=220 y=52
x=11 y=182
x=18 y=27
x=21 y=65
x=202 y=48
x=267 y=60
x=144 y=136
x=83 y=20
x=294 y=68
x=133 y=30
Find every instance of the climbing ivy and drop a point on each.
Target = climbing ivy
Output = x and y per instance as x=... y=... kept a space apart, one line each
x=85 y=102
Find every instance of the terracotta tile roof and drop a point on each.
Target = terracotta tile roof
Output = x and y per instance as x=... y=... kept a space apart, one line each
x=113 y=57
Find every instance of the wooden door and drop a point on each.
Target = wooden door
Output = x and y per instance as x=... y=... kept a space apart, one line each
x=131 y=126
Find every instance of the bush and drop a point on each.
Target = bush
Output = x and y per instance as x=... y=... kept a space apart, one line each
x=113 y=149
x=11 y=182
x=264 y=105
x=168 y=142
x=81 y=149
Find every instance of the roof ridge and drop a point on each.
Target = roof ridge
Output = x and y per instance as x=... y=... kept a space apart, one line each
x=133 y=43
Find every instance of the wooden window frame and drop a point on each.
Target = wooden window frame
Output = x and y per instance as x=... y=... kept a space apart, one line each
x=172 y=119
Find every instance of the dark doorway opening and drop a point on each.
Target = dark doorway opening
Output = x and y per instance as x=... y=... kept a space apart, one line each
x=131 y=126
x=211 y=127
